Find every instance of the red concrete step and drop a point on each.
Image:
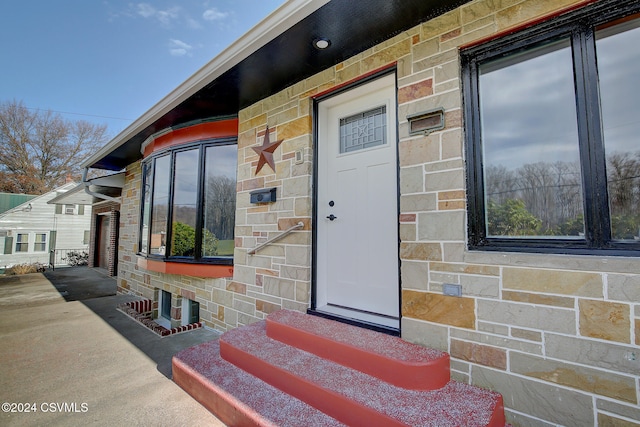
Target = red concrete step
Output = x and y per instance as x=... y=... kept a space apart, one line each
x=353 y=397
x=236 y=397
x=386 y=357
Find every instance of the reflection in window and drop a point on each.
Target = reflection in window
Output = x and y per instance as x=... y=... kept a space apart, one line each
x=185 y=200
x=618 y=50
x=551 y=129
x=146 y=207
x=219 y=200
x=160 y=205
x=531 y=156
x=189 y=197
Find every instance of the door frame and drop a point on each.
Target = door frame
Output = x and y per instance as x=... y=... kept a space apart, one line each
x=99 y=246
x=314 y=245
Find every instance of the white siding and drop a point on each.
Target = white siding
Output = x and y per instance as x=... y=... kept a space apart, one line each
x=36 y=217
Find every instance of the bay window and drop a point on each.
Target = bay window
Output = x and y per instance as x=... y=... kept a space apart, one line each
x=552 y=124
x=188 y=203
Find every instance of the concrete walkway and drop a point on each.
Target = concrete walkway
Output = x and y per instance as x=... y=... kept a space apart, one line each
x=82 y=362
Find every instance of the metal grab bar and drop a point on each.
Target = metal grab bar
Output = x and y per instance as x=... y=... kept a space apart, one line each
x=276 y=238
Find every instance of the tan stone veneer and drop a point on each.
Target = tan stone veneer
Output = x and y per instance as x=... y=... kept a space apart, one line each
x=557 y=335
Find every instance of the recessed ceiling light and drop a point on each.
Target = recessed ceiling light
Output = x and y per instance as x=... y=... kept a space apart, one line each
x=321 y=43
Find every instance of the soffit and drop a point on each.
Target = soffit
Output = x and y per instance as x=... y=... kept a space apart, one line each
x=351 y=26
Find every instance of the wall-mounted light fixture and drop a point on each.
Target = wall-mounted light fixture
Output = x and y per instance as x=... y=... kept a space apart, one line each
x=426 y=122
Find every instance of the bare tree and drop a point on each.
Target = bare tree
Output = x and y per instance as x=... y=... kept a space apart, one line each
x=39 y=149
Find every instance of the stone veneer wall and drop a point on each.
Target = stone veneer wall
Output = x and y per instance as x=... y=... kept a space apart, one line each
x=556 y=335
x=212 y=294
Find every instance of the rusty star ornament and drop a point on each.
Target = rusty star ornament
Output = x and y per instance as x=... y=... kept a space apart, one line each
x=265 y=152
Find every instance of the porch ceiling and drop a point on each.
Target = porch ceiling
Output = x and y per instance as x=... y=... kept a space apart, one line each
x=351 y=26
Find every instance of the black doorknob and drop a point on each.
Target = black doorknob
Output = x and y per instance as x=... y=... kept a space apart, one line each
x=331 y=217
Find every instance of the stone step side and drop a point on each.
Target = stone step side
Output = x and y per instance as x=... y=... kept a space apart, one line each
x=353 y=397
x=386 y=357
x=238 y=398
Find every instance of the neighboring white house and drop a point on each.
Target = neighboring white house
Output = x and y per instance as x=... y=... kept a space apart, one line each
x=30 y=231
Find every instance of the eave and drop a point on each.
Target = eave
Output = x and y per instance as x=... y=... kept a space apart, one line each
x=273 y=55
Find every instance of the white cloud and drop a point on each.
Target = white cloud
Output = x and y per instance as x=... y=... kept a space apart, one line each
x=193 y=24
x=164 y=16
x=179 y=48
x=145 y=10
x=214 y=14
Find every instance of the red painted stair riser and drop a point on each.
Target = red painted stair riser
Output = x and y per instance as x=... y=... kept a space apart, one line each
x=333 y=404
x=429 y=376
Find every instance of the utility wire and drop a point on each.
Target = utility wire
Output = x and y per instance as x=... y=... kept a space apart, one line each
x=79 y=114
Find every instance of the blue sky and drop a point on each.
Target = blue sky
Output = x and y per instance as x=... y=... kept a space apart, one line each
x=109 y=61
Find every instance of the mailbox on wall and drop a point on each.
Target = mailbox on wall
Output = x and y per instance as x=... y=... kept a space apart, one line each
x=266 y=195
x=426 y=122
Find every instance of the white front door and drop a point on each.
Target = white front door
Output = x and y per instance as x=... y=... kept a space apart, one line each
x=357 y=204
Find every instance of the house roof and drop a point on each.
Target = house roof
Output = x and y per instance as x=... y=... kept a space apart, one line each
x=273 y=55
x=27 y=204
x=10 y=201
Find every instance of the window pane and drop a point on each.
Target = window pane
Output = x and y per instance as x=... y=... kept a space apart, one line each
x=532 y=175
x=219 y=200
x=22 y=243
x=185 y=203
x=363 y=130
x=160 y=206
x=146 y=208
x=165 y=308
x=618 y=50
x=41 y=242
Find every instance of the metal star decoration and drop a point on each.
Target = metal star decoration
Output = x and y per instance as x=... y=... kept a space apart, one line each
x=265 y=152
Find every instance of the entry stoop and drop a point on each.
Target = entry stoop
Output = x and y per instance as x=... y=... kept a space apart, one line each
x=294 y=369
x=388 y=358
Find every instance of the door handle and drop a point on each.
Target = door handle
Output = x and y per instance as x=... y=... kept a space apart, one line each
x=332 y=217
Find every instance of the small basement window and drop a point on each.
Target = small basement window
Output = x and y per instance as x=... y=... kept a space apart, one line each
x=190 y=311
x=165 y=305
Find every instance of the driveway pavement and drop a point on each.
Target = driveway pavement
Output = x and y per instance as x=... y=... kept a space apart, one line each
x=79 y=361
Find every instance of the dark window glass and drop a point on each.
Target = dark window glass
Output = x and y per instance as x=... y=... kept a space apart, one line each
x=160 y=206
x=219 y=200
x=146 y=208
x=185 y=203
x=189 y=195
x=166 y=305
x=194 y=311
x=618 y=49
x=532 y=164
x=551 y=125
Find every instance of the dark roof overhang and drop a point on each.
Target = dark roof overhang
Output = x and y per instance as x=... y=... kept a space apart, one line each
x=229 y=84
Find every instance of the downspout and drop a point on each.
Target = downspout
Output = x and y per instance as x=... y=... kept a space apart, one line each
x=91 y=193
